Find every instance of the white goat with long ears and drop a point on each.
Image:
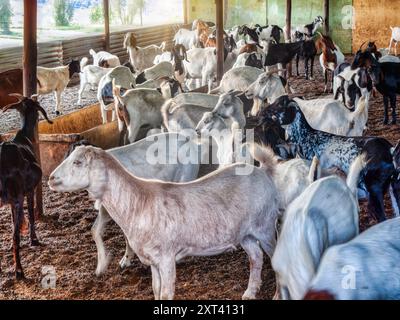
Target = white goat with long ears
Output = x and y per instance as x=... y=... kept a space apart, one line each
x=269 y=86
x=333 y=116
x=239 y=79
x=371 y=260
x=123 y=77
x=164 y=223
x=165 y=165
x=90 y=75
x=141 y=57
x=104 y=59
x=137 y=107
x=325 y=214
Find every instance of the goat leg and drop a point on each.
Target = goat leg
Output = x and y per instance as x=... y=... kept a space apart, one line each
x=306 y=67
x=312 y=68
x=386 y=109
x=297 y=65
x=326 y=80
x=376 y=207
x=31 y=213
x=18 y=214
x=393 y=106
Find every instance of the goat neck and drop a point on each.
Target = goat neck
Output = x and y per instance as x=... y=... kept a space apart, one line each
x=122 y=194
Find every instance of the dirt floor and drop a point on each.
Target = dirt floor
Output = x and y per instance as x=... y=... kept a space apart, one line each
x=67 y=243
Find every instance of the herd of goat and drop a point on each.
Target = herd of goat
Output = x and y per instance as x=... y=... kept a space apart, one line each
x=299 y=204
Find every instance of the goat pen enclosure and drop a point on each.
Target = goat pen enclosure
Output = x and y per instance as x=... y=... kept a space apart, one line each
x=55 y=53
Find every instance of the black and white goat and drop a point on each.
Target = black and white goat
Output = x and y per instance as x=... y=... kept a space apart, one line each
x=338 y=151
x=20 y=173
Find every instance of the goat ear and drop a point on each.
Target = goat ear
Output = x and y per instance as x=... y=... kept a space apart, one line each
x=34 y=97
x=43 y=112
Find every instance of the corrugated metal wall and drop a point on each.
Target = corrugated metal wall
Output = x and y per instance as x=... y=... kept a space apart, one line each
x=55 y=53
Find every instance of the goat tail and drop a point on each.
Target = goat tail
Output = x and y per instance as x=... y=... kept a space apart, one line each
x=84 y=62
x=163 y=46
x=215 y=90
x=356 y=168
x=166 y=111
x=265 y=156
x=315 y=170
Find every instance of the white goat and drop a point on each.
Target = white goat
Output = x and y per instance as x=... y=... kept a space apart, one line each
x=123 y=77
x=332 y=116
x=90 y=75
x=325 y=214
x=164 y=223
x=163 y=69
x=166 y=166
x=140 y=107
x=56 y=80
x=370 y=263
x=141 y=57
x=268 y=86
x=186 y=110
x=238 y=79
x=104 y=59
x=188 y=38
x=394 y=38
x=202 y=64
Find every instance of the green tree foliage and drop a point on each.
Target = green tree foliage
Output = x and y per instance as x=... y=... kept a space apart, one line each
x=96 y=14
x=5 y=16
x=125 y=11
x=63 y=12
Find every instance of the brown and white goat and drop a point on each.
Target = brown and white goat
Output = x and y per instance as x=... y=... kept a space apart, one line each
x=56 y=80
x=330 y=57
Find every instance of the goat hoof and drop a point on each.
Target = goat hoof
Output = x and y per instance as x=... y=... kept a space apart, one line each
x=394 y=121
x=248 y=296
x=385 y=121
x=35 y=243
x=19 y=275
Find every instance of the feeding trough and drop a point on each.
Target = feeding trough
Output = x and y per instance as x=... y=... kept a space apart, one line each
x=55 y=139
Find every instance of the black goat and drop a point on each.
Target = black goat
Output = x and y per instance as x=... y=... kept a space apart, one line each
x=252 y=33
x=339 y=151
x=20 y=172
x=385 y=77
x=254 y=60
x=282 y=53
x=308 y=51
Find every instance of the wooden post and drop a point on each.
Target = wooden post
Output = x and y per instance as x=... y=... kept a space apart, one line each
x=185 y=12
x=288 y=30
x=266 y=13
x=220 y=38
x=106 y=12
x=326 y=17
x=29 y=62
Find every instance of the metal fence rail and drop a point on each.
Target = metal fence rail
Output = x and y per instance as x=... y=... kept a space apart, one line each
x=56 y=53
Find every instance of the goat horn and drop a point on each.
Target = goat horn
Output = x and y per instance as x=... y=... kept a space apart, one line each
x=12 y=105
x=362 y=45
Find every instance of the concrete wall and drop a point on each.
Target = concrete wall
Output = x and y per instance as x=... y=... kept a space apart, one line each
x=373 y=20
